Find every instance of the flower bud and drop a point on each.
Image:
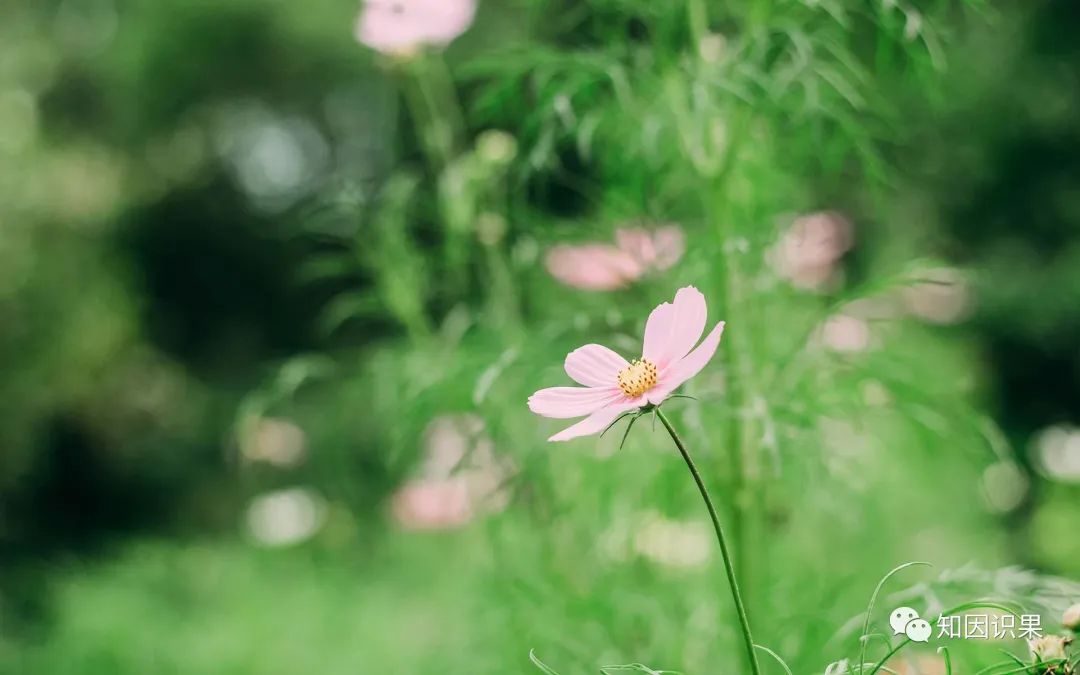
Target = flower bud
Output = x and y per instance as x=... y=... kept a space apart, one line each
x=496 y=147
x=1071 y=618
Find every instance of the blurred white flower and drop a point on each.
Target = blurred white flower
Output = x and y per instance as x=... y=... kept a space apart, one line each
x=285 y=517
x=712 y=47
x=1057 y=453
x=1004 y=486
x=276 y=159
x=941 y=296
x=672 y=543
x=402 y=27
x=1049 y=647
x=809 y=252
x=496 y=147
x=837 y=668
x=273 y=440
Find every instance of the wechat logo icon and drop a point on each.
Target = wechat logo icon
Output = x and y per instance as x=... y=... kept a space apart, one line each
x=906 y=621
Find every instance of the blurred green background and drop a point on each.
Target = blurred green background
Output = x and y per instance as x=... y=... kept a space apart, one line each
x=272 y=301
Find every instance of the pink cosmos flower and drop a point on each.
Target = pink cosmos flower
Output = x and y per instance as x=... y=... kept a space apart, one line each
x=434 y=504
x=809 y=252
x=461 y=477
x=845 y=333
x=401 y=27
x=658 y=249
x=604 y=267
x=613 y=385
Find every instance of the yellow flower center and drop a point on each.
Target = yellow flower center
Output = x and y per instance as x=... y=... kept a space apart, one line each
x=637 y=378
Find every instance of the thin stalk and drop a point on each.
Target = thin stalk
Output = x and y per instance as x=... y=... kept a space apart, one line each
x=698 y=15
x=746 y=520
x=744 y=622
x=714 y=214
x=434 y=131
x=501 y=293
x=448 y=97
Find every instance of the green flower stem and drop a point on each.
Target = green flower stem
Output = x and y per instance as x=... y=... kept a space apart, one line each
x=446 y=91
x=433 y=126
x=744 y=622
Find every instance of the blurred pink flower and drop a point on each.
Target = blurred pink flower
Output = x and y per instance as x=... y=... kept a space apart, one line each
x=1071 y=618
x=606 y=267
x=808 y=253
x=613 y=385
x=460 y=477
x=433 y=504
x=401 y=27
x=658 y=249
x=845 y=333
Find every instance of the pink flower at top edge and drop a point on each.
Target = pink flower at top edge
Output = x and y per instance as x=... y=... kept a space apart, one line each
x=613 y=385
x=401 y=27
x=607 y=267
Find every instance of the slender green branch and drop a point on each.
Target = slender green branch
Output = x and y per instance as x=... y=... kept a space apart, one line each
x=873 y=600
x=944 y=651
x=744 y=622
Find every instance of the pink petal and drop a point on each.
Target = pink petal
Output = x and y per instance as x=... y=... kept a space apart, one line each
x=593 y=267
x=599 y=420
x=403 y=26
x=449 y=19
x=688 y=323
x=565 y=402
x=671 y=333
x=594 y=366
x=691 y=365
x=657 y=332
